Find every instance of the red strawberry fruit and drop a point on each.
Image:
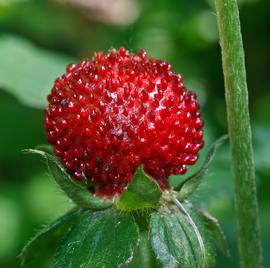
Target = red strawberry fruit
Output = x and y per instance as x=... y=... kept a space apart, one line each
x=111 y=114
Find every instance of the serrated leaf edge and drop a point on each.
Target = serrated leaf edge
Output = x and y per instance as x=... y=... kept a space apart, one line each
x=45 y=229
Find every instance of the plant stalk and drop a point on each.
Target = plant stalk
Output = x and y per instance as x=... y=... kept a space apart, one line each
x=236 y=93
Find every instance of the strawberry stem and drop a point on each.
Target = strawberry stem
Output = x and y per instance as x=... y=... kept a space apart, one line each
x=240 y=133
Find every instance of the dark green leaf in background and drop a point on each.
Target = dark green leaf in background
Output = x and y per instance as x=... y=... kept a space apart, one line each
x=214 y=226
x=141 y=193
x=104 y=238
x=75 y=190
x=58 y=228
x=28 y=72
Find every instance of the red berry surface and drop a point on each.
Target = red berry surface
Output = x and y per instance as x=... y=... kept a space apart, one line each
x=111 y=114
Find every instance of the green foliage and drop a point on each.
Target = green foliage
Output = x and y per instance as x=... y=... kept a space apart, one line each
x=213 y=224
x=28 y=72
x=141 y=193
x=190 y=184
x=261 y=148
x=175 y=242
x=58 y=228
x=99 y=239
x=143 y=255
x=169 y=242
x=178 y=236
x=182 y=32
x=10 y=2
x=78 y=192
x=42 y=205
x=9 y=224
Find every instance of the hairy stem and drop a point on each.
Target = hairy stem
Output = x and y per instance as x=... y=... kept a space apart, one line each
x=240 y=133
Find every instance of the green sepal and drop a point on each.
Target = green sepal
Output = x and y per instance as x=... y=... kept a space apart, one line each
x=76 y=191
x=217 y=232
x=45 y=148
x=104 y=238
x=190 y=184
x=57 y=229
x=141 y=193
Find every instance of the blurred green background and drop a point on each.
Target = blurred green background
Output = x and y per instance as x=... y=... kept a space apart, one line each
x=39 y=38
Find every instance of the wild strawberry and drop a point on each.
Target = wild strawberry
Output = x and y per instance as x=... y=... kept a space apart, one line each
x=111 y=114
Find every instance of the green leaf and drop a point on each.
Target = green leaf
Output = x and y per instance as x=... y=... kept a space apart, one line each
x=58 y=228
x=179 y=239
x=104 y=238
x=141 y=193
x=143 y=255
x=190 y=184
x=28 y=72
x=206 y=235
x=216 y=230
x=78 y=192
x=169 y=241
